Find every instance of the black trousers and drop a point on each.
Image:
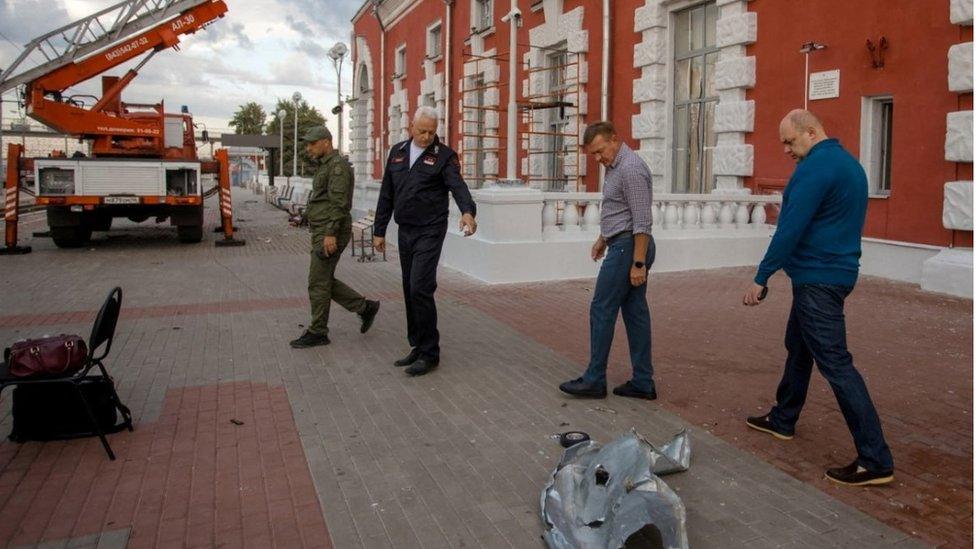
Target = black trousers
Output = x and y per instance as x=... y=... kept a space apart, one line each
x=420 y=251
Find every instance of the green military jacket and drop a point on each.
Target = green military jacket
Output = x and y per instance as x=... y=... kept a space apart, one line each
x=330 y=200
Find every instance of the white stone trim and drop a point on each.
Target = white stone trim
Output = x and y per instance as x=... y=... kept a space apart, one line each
x=361 y=150
x=961 y=12
x=959 y=136
x=397 y=127
x=559 y=27
x=735 y=72
x=433 y=83
x=961 y=68
x=957 y=207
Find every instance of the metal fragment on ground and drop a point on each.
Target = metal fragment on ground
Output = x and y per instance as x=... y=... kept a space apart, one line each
x=599 y=495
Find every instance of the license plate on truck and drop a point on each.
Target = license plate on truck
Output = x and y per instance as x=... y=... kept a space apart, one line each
x=121 y=200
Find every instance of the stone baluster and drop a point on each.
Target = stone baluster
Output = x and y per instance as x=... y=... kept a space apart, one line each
x=759 y=215
x=571 y=218
x=549 y=216
x=656 y=214
x=591 y=215
x=725 y=217
x=671 y=216
x=708 y=216
x=742 y=215
x=690 y=215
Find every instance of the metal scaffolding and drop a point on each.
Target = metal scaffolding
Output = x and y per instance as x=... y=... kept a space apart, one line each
x=548 y=135
x=475 y=113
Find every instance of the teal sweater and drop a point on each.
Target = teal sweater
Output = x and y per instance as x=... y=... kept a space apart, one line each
x=818 y=234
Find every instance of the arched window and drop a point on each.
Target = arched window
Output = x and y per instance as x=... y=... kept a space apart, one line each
x=363 y=80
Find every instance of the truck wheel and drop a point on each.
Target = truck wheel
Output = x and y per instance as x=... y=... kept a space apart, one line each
x=190 y=234
x=74 y=236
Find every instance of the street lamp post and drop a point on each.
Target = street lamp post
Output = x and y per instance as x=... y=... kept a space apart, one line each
x=296 y=97
x=337 y=54
x=281 y=142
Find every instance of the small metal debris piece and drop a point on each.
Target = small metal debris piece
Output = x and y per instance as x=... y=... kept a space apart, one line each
x=603 y=409
x=599 y=495
x=237 y=422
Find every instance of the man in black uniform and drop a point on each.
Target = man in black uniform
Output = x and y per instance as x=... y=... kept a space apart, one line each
x=419 y=173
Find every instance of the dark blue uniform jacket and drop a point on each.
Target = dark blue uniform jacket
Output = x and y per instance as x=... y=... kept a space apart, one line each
x=416 y=196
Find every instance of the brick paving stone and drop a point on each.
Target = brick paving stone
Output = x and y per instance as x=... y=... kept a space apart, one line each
x=338 y=447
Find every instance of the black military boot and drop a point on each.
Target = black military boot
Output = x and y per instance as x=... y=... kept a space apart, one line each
x=368 y=315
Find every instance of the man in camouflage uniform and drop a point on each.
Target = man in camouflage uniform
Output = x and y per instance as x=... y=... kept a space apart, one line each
x=330 y=222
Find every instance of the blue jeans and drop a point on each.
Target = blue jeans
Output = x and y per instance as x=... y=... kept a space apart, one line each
x=816 y=333
x=613 y=294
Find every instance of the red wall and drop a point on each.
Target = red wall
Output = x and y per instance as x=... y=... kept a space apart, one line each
x=915 y=74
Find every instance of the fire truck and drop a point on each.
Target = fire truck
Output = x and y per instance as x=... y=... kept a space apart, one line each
x=143 y=162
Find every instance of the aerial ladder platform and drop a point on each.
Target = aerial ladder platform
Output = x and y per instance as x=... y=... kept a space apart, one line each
x=143 y=161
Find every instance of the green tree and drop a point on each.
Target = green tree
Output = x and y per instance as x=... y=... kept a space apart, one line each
x=249 y=119
x=308 y=116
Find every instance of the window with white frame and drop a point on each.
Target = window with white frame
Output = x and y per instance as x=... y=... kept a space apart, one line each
x=695 y=97
x=400 y=62
x=877 y=114
x=483 y=14
x=556 y=120
x=434 y=41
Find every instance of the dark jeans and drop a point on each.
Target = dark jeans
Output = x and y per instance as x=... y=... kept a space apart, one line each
x=816 y=333
x=420 y=250
x=613 y=294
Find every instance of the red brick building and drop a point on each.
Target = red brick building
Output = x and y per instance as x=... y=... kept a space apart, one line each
x=696 y=87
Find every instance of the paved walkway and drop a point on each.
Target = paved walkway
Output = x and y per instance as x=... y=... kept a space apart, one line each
x=333 y=446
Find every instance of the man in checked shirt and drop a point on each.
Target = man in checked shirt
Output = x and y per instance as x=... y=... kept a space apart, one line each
x=625 y=239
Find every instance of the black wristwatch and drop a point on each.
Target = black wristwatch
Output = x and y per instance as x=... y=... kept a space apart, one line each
x=639 y=264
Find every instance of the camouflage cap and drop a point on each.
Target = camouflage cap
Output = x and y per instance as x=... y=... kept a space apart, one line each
x=317 y=133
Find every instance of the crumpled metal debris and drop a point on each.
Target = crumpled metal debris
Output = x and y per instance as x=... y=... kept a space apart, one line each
x=599 y=495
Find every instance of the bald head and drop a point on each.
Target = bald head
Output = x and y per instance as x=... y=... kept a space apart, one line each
x=799 y=131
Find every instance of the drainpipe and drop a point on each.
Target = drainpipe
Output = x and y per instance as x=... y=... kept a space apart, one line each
x=605 y=74
x=382 y=86
x=449 y=9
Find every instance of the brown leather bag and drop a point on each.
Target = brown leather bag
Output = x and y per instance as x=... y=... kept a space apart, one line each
x=57 y=355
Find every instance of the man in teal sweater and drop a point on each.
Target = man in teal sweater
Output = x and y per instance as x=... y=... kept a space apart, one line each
x=818 y=244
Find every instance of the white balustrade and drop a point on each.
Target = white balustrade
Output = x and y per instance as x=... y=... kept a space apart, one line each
x=561 y=211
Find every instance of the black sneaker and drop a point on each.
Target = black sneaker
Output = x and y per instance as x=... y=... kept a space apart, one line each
x=308 y=339
x=855 y=475
x=368 y=315
x=409 y=359
x=580 y=388
x=762 y=423
x=629 y=390
x=422 y=366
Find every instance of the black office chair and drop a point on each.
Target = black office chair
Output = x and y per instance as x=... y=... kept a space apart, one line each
x=103 y=331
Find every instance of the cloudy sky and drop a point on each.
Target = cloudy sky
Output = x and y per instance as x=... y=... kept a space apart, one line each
x=260 y=51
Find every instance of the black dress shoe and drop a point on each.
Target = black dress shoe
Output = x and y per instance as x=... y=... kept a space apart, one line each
x=308 y=339
x=765 y=425
x=629 y=390
x=409 y=359
x=580 y=388
x=368 y=315
x=855 y=475
x=422 y=366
